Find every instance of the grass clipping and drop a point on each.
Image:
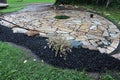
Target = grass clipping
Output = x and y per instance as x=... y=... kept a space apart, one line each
x=60 y=45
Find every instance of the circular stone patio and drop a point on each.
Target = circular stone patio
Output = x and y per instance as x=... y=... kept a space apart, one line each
x=95 y=33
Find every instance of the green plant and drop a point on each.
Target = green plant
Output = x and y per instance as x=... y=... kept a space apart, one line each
x=60 y=45
x=61 y=17
x=107 y=77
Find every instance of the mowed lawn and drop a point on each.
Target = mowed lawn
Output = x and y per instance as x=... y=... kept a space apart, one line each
x=15 y=5
x=15 y=64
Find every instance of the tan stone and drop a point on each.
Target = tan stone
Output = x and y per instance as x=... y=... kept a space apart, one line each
x=84 y=30
x=81 y=38
x=19 y=30
x=99 y=43
x=84 y=46
x=32 y=33
x=112 y=26
x=105 y=33
x=86 y=42
x=117 y=56
x=95 y=32
x=102 y=28
x=102 y=50
x=110 y=49
x=91 y=47
x=76 y=27
x=115 y=43
x=93 y=43
x=94 y=37
x=42 y=34
x=114 y=30
x=85 y=25
x=66 y=30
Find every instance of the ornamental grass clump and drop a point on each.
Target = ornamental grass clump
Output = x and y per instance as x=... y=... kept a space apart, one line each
x=60 y=45
x=61 y=17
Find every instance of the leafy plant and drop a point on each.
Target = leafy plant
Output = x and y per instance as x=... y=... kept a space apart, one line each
x=62 y=17
x=107 y=77
x=60 y=45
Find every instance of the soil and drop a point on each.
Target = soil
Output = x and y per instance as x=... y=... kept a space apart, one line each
x=79 y=59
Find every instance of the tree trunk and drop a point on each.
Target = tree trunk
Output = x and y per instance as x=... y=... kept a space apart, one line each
x=107 y=4
x=3 y=1
x=97 y=1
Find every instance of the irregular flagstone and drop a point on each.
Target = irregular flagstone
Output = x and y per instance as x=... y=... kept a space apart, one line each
x=89 y=36
x=110 y=49
x=117 y=56
x=19 y=30
x=81 y=38
x=102 y=50
x=115 y=43
x=95 y=33
x=32 y=33
x=105 y=33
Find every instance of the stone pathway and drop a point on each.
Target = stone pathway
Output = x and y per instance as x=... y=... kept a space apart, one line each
x=95 y=33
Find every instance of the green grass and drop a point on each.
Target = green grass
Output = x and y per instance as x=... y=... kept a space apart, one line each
x=112 y=13
x=15 y=5
x=12 y=67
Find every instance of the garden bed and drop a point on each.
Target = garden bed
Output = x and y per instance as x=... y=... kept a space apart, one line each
x=79 y=59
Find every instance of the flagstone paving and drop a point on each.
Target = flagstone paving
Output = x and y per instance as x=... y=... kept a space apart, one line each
x=95 y=33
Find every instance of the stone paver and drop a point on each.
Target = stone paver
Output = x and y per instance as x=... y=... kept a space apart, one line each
x=95 y=33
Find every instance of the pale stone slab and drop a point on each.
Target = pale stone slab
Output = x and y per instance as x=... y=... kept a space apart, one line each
x=115 y=43
x=19 y=30
x=102 y=50
x=43 y=34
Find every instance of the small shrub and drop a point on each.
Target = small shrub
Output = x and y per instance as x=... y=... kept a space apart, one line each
x=62 y=17
x=60 y=45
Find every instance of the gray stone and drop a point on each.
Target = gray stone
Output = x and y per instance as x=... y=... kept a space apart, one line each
x=105 y=42
x=93 y=27
x=97 y=22
x=76 y=44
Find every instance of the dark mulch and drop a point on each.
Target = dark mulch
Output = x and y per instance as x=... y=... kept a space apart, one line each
x=78 y=59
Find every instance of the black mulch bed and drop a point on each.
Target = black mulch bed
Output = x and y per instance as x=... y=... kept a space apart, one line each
x=78 y=59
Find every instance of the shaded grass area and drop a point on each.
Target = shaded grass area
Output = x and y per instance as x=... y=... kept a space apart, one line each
x=112 y=13
x=15 y=5
x=16 y=65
